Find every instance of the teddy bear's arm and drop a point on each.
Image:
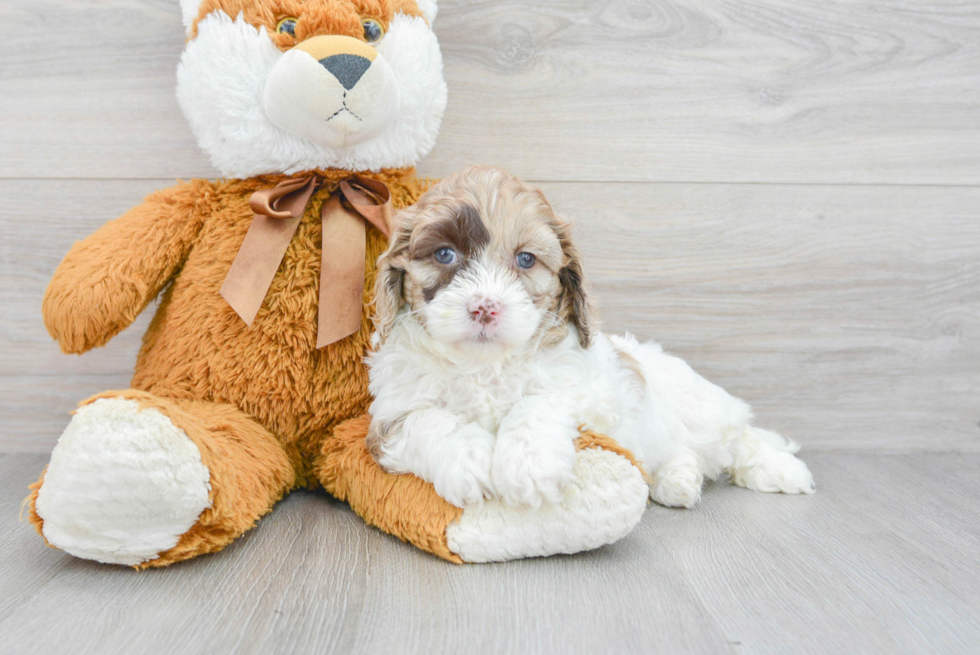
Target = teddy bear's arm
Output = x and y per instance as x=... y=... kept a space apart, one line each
x=107 y=279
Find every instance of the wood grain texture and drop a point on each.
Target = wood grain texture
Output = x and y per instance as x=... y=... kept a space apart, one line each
x=881 y=560
x=848 y=316
x=638 y=90
x=854 y=571
x=39 y=385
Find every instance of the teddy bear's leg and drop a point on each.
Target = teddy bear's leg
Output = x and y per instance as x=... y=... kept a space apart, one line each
x=603 y=503
x=146 y=481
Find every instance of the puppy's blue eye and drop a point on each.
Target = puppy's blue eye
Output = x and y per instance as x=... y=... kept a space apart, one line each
x=526 y=259
x=445 y=255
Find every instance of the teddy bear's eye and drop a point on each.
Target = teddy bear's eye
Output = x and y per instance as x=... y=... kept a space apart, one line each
x=372 y=30
x=287 y=26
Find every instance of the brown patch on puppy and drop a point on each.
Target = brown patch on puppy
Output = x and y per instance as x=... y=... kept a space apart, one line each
x=574 y=304
x=379 y=434
x=632 y=365
x=464 y=233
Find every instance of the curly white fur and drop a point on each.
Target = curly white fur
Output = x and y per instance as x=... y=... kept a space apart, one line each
x=505 y=427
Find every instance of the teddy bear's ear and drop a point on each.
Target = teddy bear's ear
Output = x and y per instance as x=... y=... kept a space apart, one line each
x=188 y=12
x=429 y=9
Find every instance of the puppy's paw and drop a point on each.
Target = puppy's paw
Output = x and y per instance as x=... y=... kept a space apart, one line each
x=466 y=481
x=531 y=469
x=776 y=472
x=678 y=482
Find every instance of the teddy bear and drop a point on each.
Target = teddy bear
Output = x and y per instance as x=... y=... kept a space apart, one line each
x=250 y=381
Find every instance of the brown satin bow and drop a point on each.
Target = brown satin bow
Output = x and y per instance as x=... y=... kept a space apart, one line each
x=278 y=212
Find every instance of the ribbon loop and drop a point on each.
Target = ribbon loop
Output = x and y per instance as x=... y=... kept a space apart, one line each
x=278 y=212
x=371 y=199
x=288 y=199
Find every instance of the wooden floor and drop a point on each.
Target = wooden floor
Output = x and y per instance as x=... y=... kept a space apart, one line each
x=882 y=559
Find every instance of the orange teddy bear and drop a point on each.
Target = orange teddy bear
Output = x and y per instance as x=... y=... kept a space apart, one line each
x=251 y=381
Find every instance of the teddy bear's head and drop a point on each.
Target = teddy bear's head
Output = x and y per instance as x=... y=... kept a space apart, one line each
x=282 y=86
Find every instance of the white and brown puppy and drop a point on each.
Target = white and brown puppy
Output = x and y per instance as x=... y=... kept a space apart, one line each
x=487 y=364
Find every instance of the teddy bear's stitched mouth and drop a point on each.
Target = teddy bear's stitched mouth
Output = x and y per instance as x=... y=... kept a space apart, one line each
x=344 y=108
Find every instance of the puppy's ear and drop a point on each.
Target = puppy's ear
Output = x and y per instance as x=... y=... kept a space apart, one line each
x=388 y=297
x=575 y=303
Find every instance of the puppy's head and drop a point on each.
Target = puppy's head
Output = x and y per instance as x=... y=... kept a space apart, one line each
x=485 y=266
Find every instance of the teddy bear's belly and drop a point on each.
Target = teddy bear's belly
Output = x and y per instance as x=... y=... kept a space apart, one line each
x=197 y=347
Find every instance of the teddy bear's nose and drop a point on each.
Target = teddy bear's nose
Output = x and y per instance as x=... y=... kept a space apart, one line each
x=347 y=68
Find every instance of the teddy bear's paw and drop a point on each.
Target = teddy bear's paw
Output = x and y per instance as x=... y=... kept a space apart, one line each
x=602 y=502
x=124 y=483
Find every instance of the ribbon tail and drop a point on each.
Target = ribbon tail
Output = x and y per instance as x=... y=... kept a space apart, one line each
x=341 y=273
x=256 y=263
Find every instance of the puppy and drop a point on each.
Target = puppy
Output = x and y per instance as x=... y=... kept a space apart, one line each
x=487 y=364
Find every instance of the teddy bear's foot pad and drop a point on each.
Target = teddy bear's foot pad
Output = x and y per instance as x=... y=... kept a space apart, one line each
x=603 y=504
x=123 y=485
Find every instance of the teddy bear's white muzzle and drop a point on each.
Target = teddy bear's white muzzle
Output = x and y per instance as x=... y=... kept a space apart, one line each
x=337 y=100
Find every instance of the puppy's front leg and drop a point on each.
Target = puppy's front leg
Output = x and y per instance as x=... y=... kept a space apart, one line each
x=436 y=445
x=535 y=451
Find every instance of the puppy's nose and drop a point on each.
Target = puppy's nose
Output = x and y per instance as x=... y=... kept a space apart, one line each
x=348 y=69
x=484 y=311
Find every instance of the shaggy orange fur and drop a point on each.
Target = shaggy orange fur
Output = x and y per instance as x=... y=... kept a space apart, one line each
x=342 y=17
x=402 y=505
x=260 y=402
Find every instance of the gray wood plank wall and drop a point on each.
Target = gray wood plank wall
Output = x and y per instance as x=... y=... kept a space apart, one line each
x=786 y=193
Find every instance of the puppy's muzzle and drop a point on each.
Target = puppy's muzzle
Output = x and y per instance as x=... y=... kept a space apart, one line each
x=344 y=57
